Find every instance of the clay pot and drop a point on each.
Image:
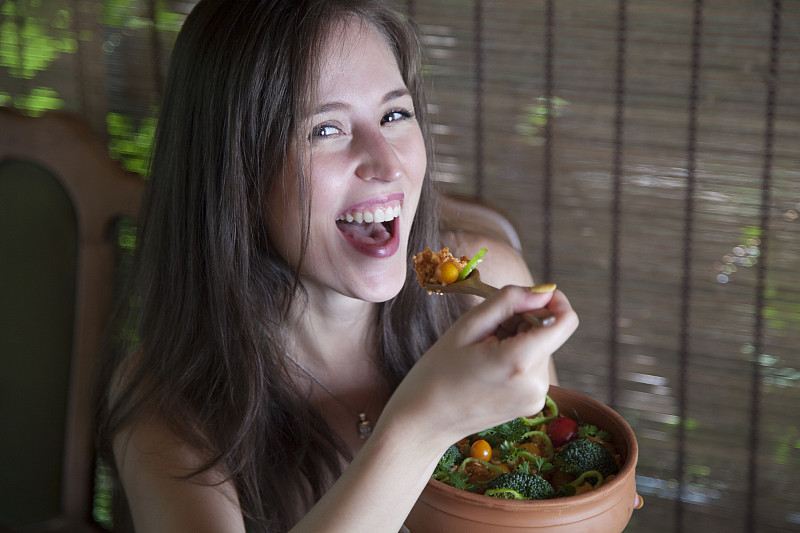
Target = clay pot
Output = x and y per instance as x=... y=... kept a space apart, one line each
x=445 y=509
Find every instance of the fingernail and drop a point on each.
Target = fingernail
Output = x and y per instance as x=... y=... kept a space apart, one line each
x=543 y=287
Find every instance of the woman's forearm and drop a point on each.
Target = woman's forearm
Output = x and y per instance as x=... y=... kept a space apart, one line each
x=381 y=485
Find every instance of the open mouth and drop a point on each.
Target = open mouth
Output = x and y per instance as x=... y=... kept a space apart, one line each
x=369 y=228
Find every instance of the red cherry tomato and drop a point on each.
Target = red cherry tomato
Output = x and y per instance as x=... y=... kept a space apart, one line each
x=481 y=449
x=562 y=430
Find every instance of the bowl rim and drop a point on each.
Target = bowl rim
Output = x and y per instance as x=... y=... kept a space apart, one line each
x=593 y=497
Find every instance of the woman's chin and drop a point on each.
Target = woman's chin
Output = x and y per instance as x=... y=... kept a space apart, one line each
x=381 y=290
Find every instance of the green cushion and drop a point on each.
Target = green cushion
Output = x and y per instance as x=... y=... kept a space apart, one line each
x=38 y=265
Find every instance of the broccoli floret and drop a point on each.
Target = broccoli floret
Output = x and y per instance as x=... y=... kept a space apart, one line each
x=581 y=455
x=450 y=458
x=512 y=431
x=529 y=486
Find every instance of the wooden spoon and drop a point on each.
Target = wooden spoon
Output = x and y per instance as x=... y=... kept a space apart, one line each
x=473 y=285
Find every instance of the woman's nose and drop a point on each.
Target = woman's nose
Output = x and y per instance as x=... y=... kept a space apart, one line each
x=377 y=157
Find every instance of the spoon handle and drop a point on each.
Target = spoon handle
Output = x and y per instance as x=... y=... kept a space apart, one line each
x=479 y=288
x=540 y=317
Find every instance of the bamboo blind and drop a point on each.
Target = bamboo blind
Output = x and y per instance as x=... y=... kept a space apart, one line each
x=647 y=151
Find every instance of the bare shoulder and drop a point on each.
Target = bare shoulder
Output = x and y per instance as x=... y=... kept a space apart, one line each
x=154 y=464
x=502 y=264
x=156 y=469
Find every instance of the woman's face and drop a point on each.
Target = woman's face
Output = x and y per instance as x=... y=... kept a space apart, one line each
x=366 y=162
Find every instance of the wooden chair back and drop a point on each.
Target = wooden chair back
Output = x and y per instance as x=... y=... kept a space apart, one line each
x=60 y=195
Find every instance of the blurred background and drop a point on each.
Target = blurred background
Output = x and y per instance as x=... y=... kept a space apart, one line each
x=648 y=153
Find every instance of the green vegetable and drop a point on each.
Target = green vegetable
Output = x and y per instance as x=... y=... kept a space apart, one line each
x=591 y=475
x=550 y=407
x=508 y=494
x=542 y=464
x=571 y=488
x=513 y=431
x=450 y=458
x=530 y=486
x=459 y=480
x=582 y=455
x=470 y=266
x=590 y=430
x=494 y=468
x=548 y=444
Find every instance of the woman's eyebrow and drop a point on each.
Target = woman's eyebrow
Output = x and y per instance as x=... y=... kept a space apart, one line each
x=388 y=97
x=393 y=95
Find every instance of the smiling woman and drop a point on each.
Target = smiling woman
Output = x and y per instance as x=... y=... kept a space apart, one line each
x=277 y=322
x=364 y=158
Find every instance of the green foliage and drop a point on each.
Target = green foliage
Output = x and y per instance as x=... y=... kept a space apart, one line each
x=129 y=14
x=103 y=495
x=32 y=38
x=131 y=144
x=39 y=100
x=30 y=44
x=535 y=117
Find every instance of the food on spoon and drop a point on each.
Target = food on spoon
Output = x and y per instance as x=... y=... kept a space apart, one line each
x=522 y=462
x=443 y=268
x=446 y=272
x=428 y=263
x=472 y=264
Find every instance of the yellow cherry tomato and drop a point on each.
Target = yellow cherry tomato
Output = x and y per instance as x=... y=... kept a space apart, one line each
x=446 y=272
x=481 y=449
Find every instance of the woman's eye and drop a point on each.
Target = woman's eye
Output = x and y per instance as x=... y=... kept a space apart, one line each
x=398 y=114
x=322 y=131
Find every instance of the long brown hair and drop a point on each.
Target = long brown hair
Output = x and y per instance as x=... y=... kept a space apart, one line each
x=208 y=295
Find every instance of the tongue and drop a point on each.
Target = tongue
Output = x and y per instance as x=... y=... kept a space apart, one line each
x=365 y=233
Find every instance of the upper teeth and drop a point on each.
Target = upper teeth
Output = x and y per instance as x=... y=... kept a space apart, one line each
x=378 y=215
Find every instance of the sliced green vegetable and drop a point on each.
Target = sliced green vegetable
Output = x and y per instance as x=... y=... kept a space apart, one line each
x=544 y=438
x=470 y=266
x=494 y=468
x=507 y=494
x=584 y=478
x=541 y=418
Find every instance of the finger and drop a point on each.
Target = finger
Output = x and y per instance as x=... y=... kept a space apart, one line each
x=529 y=344
x=540 y=318
x=522 y=323
x=483 y=320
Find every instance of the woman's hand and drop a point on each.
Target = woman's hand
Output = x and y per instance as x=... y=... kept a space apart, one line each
x=490 y=366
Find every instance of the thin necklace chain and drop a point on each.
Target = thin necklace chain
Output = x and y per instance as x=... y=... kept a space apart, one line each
x=364 y=426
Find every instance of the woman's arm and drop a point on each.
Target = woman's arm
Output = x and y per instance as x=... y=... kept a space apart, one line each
x=505 y=377
x=471 y=379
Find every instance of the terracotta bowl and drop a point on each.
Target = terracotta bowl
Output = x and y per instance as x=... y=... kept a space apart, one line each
x=445 y=509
